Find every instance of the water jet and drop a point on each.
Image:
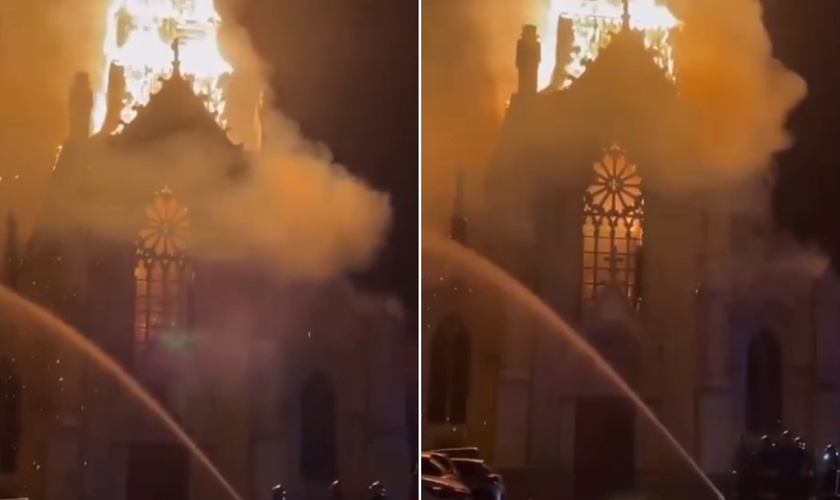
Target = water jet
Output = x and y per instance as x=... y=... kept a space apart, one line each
x=478 y=266
x=34 y=314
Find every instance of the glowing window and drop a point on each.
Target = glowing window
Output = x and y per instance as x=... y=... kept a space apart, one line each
x=163 y=274
x=612 y=226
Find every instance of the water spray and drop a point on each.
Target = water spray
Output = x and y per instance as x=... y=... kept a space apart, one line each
x=36 y=314
x=479 y=266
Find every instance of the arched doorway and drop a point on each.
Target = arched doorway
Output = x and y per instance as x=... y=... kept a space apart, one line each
x=605 y=421
x=764 y=384
x=318 y=422
x=158 y=470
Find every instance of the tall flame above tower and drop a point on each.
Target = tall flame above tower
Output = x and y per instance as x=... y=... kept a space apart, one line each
x=138 y=48
x=583 y=27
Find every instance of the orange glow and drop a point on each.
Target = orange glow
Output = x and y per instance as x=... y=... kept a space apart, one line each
x=593 y=22
x=139 y=36
x=612 y=225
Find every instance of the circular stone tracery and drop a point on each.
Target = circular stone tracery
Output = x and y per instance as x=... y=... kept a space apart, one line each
x=167 y=223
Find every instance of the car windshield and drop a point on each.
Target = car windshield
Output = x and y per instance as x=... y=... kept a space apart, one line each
x=431 y=468
x=444 y=462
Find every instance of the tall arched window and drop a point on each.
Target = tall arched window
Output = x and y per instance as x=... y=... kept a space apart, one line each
x=613 y=207
x=449 y=373
x=163 y=274
x=10 y=418
x=318 y=430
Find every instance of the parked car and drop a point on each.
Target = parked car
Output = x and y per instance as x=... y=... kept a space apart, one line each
x=462 y=452
x=440 y=482
x=443 y=489
x=483 y=481
x=442 y=460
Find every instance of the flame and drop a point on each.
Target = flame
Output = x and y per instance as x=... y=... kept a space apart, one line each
x=139 y=38
x=592 y=23
x=57 y=156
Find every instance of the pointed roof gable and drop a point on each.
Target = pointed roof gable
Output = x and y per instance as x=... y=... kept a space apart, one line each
x=627 y=65
x=623 y=87
x=172 y=109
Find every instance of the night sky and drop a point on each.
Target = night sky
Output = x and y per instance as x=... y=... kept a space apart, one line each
x=347 y=72
x=806 y=39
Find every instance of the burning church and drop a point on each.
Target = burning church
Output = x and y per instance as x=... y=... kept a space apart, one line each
x=278 y=380
x=721 y=324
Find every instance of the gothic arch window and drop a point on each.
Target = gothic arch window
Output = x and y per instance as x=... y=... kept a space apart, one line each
x=318 y=430
x=449 y=373
x=764 y=383
x=613 y=209
x=163 y=274
x=10 y=418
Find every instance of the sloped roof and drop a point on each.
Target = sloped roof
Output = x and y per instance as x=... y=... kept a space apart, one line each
x=621 y=89
x=172 y=109
x=625 y=61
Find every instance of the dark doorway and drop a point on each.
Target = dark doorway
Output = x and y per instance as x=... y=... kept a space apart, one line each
x=11 y=391
x=449 y=383
x=604 y=446
x=318 y=443
x=159 y=471
x=764 y=384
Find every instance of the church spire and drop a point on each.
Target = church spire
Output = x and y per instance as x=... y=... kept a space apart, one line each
x=458 y=223
x=563 y=51
x=528 y=60
x=625 y=16
x=80 y=106
x=11 y=266
x=258 y=121
x=176 y=57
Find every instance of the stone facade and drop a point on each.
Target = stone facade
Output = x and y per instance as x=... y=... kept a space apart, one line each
x=276 y=380
x=675 y=306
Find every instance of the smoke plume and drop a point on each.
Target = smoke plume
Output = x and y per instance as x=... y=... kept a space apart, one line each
x=42 y=44
x=735 y=99
x=738 y=95
x=292 y=209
